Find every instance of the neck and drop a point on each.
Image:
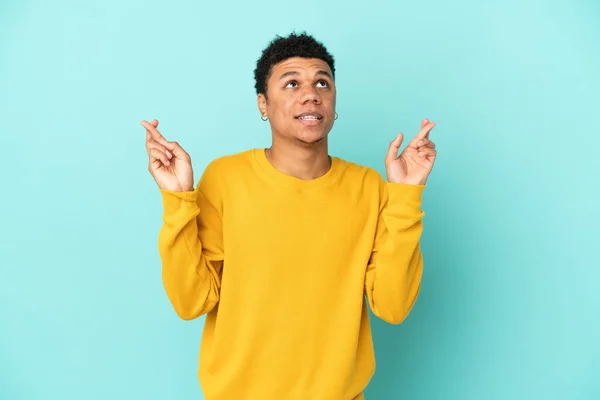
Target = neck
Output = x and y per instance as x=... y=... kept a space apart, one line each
x=303 y=161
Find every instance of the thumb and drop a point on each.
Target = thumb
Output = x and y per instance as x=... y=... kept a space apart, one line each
x=154 y=123
x=424 y=122
x=392 y=153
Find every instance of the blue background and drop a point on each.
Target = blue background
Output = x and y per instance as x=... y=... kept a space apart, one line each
x=510 y=303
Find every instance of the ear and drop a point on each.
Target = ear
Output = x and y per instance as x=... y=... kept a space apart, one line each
x=262 y=104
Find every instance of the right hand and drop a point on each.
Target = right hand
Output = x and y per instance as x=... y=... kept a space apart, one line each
x=168 y=163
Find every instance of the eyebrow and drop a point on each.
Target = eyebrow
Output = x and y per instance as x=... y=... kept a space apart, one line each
x=291 y=73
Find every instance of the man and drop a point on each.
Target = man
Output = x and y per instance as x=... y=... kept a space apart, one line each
x=282 y=248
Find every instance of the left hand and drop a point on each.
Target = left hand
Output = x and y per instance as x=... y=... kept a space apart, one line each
x=416 y=161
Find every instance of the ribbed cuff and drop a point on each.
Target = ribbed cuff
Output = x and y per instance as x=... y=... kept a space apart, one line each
x=406 y=198
x=173 y=200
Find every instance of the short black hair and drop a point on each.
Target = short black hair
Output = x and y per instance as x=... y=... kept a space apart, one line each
x=281 y=48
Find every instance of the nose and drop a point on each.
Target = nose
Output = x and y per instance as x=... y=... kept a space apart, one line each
x=310 y=95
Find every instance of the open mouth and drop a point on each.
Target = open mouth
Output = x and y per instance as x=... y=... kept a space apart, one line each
x=309 y=117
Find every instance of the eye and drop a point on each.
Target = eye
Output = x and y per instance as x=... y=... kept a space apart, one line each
x=291 y=83
x=325 y=84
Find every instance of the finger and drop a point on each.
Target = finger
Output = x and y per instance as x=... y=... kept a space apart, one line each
x=155 y=134
x=424 y=132
x=421 y=135
x=425 y=143
x=156 y=154
x=427 y=152
x=151 y=129
x=392 y=153
x=155 y=164
x=178 y=151
x=151 y=144
x=424 y=122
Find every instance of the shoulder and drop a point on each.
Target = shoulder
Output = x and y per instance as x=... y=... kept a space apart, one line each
x=228 y=163
x=356 y=172
x=224 y=167
x=365 y=181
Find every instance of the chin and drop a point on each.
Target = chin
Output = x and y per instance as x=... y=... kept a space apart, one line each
x=311 y=137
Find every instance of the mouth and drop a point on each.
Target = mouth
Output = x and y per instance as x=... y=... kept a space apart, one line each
x=310 y=116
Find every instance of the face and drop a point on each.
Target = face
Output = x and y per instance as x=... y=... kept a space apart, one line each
x=301 y=100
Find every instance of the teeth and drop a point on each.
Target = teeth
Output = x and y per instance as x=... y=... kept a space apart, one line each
x=311 y=118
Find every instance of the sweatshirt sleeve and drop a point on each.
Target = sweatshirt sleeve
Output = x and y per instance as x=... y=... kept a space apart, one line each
x=190 y=244
x=393 y=276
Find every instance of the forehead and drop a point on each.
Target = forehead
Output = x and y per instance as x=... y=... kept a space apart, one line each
x=308 y=66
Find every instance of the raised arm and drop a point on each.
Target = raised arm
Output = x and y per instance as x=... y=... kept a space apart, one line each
x=190 y=240
x=393 y=277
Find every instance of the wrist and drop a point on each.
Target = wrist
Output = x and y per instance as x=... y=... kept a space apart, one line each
x=177 y=189
x=173 y=187
x=409 y=182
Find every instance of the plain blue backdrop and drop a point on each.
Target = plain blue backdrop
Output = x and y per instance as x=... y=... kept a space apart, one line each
x=510 y=303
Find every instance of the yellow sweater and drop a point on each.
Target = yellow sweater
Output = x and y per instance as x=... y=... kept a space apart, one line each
x=284 y=269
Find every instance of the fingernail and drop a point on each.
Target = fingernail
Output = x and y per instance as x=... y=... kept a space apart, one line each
x=421 y=153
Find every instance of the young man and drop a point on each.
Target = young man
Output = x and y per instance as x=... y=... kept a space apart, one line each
x=284 y=248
